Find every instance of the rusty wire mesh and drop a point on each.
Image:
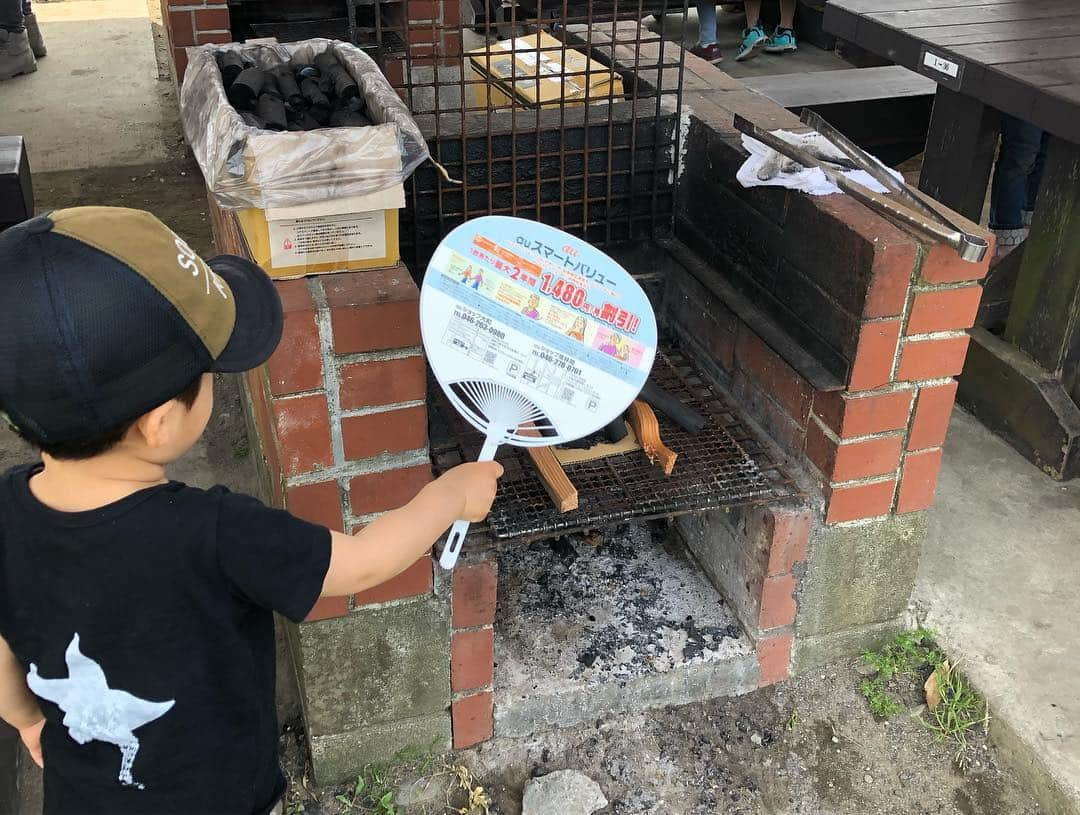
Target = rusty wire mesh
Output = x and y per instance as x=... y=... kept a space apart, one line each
x=600 y=164
x=722 y=466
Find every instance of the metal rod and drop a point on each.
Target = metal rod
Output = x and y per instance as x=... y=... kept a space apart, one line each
x=971 y=248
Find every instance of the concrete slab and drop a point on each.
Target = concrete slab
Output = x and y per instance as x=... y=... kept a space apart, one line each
x=998 y=582
x=96 y=100
x=625 y=623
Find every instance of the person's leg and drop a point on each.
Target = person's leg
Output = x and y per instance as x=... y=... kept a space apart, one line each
x=11 y=15
x=783 y=38
x=787 y=13
x=33 y=32
x=1017 y=155
x=1034 y=178
x=707 y=49
x=16 y=56
x=753 y=13
x=706 y=11
x=753 y=36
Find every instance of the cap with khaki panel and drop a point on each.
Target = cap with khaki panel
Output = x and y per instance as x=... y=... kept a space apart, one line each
x=106 y=313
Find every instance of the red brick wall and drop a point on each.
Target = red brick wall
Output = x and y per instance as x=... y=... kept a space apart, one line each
x=876 y=307
x=472 y=655
x=194 y=22
x=341 y=414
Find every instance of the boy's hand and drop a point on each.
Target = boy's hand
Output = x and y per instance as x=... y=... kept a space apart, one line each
x=31 y=737
x=475 y=485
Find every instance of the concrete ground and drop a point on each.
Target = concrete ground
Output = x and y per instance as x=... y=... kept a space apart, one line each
x=999 y=582
x=98 y=98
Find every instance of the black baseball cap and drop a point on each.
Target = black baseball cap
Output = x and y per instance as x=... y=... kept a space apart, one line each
x=106 y=313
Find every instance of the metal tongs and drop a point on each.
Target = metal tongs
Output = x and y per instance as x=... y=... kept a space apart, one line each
x=908 y=206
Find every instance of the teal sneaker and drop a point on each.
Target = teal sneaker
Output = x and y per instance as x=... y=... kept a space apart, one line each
x=753 y=40
x=781 y=41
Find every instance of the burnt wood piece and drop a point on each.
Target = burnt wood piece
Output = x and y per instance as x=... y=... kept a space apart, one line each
x=245 y=89
x=231 y=65
x=960 y=150
x=684 y=416
x=341 y=81
x=288 y=87
x=643 y=420
x=1043 y=321
x=1021 y=57
x=271 y=110
x=563 y=493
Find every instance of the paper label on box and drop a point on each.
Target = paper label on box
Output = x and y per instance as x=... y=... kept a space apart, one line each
x=327 y=239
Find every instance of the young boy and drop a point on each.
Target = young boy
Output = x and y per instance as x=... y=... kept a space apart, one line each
x=136 y=635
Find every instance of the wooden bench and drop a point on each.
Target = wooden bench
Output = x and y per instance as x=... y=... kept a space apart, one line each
x=885 y=110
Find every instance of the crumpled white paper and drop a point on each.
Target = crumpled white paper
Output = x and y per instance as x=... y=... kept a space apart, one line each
x=810 y=180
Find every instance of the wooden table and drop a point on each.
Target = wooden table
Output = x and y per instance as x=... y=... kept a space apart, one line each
x=1019 y=57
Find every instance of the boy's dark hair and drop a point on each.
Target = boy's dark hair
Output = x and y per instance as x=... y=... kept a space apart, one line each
x=81 y=449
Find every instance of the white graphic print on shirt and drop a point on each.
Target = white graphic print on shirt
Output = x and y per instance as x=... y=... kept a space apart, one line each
x=94 y=711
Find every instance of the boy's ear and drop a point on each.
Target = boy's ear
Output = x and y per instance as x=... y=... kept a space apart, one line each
x=154 y=426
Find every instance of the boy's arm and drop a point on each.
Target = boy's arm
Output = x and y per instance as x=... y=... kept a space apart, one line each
x=18 y=707
x=393 y=542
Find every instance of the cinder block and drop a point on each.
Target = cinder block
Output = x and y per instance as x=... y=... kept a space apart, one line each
x=375 y=666
x=340 y=757
x=859 y=575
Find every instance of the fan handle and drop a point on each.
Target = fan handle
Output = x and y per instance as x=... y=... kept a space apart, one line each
x=456 y=538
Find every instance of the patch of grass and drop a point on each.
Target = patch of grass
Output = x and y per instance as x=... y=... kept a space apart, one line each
x=882 y=703
x=913 y=655
x=960 y=710
x=908 y=655
x=370 y=793
x=793 y=719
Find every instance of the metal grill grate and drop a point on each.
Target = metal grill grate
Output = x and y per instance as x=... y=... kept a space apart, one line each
x=721 y=466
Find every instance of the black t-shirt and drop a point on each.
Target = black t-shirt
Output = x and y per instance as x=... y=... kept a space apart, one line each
x=146 y=631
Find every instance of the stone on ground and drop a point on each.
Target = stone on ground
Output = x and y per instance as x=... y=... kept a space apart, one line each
x=566 y=792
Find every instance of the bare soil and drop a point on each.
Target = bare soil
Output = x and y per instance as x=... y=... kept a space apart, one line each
x=809 y=746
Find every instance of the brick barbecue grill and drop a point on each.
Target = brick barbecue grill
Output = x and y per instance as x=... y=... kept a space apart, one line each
x=821 y=341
